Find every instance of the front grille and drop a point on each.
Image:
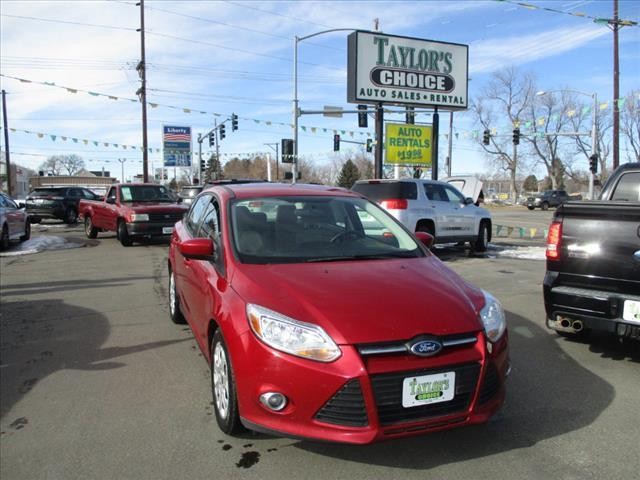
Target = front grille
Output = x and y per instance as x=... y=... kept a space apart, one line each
x=346 y=407
x=172 y=217
x=387 y=389
x=490 y=386
x=401 y=347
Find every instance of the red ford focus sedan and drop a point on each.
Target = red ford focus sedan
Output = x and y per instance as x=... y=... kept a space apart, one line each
x=322 y=317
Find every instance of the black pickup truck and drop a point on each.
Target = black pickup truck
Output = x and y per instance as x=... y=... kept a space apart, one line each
x=592 y=281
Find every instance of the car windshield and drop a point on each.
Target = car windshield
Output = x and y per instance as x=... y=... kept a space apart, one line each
x=146 y=193
x=316 y=229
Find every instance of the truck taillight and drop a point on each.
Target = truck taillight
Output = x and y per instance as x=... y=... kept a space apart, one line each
x=395 y=204
x=553 y=241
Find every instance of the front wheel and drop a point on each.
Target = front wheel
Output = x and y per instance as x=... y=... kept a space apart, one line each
x=223 y=386
x=123 y=235
x=482 y=240
x=174 y=301
x=89 y=230
x=4 y=238
x=545 y=206
x=531 y=208
x=27 y=232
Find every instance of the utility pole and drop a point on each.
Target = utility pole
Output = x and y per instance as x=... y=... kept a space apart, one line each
x=6 y=140
x=434 y=144
x=142 y=93
x=122 y=160
x=271 y=146
x=616 y=89
x=379 y=140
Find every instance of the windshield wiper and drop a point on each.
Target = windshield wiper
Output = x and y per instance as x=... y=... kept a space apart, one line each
x=347 y=258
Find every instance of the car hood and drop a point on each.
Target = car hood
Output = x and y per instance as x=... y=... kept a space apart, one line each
x=366 y=301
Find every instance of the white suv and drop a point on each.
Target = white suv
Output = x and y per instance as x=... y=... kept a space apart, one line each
x=431 y=206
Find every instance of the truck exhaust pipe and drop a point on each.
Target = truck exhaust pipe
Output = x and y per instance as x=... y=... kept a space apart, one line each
x=577 y=325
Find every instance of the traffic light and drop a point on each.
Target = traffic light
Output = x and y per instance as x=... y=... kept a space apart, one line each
x=222 y=135
x=287 y=150
x=212 y=139
x=486 y=136
x=593 y=163
x=411 y=116
x=516 y=136
x=369 y=145
x=362 y=116
x=336 y=143
x=234 y=122
x=203 y=165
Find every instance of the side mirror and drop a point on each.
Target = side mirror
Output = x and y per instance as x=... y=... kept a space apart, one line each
x=468 y=201
x=111 y=201
x=197 y=249
x=425 y=238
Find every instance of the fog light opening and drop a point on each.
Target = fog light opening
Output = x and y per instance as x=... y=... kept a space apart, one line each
x=273 y=401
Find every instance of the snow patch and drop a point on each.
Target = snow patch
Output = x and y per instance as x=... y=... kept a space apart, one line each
x=40 y=244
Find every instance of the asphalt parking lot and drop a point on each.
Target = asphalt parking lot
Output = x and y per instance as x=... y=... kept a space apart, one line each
x=96 y=382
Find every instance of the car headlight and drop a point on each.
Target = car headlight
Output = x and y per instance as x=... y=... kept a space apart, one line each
x=292 y=336
x=139 y=217
x=492 y=316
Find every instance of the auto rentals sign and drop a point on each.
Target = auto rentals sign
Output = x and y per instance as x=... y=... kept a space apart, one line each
x=406 y=71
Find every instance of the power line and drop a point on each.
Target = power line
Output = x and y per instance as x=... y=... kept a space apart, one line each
x=268 y=12
x=68 y=22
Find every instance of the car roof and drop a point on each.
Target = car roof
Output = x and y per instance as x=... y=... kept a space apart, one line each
x=374 y=181
x=267 y=189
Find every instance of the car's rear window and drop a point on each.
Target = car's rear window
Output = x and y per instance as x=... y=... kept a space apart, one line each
x=47 y=192
x=387 y=190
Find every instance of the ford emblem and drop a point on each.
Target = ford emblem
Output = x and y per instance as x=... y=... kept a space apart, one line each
x=425 y=347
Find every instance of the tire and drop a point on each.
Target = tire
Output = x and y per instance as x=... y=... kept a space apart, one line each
x=482 y=240
x=531 y=208
x=174 y=301
x=71 y=216
x=123 y=235
x=4 y=238
x=223 y=387
x=27 y=232
x=545 y=206
x=89 y=230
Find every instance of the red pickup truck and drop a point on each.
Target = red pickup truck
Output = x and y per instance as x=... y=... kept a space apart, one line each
x=134 y=211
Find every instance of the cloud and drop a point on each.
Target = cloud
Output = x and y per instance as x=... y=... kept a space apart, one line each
x=490 y=55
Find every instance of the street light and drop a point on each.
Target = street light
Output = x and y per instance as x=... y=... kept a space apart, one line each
x=294 y=165
x=594 y=127
x=122 y=160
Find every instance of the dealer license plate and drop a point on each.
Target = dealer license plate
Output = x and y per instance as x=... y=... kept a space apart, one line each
x=167 y=230
x=631 y=312
x=426 y=389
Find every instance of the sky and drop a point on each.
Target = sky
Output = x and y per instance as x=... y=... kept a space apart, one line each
x=69 y=70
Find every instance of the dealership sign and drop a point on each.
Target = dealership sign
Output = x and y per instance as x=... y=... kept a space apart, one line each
x=408 y=145
x=407 y=71
x=176 y=146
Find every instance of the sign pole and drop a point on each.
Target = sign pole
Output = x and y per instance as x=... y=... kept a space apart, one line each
x=379 y=140
x=434 y=143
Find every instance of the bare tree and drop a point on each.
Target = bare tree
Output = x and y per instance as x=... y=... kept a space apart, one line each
x=63 y=164
x=506 y=99
x=630 y=124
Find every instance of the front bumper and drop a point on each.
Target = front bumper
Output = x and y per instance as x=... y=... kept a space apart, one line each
x=358 y=398
x=150 y=229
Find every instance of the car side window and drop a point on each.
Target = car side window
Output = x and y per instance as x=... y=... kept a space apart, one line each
x=453 y=195
x=435 y=192
x=112 y=194
x=196 y=213
x=209 y=227
x=628 y=188
x=2 y=202
x=73 y=193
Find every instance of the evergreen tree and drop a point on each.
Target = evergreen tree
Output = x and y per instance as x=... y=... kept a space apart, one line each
x=348 y=175
x=530 y=184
